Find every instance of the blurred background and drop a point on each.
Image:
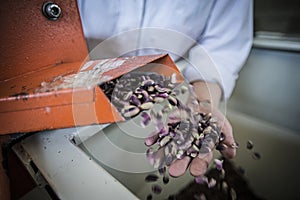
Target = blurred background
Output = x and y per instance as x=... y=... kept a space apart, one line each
x=264 y=107
x=269 y=83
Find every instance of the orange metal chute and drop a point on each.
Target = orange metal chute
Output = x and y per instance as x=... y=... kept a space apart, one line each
x=36 y=51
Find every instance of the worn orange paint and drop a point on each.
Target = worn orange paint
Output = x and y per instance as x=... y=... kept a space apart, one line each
x=29 y=41
x=35 y=50
x=69 y=107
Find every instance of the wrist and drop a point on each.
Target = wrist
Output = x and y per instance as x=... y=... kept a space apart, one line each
x=208 y=93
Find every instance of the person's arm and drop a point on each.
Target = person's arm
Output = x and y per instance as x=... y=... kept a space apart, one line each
x=208 y=92
x=224 y=45
x=215 y=62
x=209 y=95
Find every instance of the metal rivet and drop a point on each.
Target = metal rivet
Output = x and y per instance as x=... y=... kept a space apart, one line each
x=51 y=10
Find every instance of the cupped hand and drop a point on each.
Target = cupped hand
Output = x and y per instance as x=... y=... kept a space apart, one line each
x=198 y=165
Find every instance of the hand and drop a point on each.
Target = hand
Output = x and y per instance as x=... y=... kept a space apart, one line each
x=198 y=165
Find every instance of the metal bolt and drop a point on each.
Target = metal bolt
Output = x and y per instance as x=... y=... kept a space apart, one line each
x=51 y=10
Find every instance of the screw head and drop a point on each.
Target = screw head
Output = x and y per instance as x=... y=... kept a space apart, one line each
x=51 y=10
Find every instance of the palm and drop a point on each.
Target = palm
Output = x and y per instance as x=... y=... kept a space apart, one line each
x=199 y=162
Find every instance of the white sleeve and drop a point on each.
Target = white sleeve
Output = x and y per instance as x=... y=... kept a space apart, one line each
x=224 y=45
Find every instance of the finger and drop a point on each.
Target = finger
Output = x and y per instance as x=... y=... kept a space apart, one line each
x=200 y=164
x=229 y=151
x=178 y=167
x=162 y=130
